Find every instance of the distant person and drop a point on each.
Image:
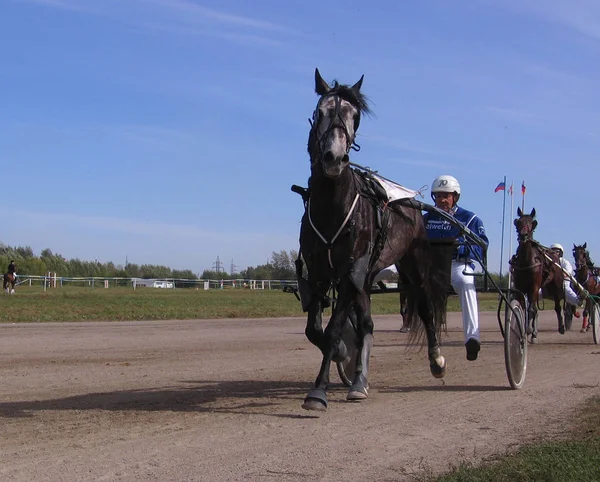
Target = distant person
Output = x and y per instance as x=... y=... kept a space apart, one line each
x=570 y=295
x=12 y=269
x=445 y=191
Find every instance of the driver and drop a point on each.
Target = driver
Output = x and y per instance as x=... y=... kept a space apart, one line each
x=570 y=296
x=445 y=192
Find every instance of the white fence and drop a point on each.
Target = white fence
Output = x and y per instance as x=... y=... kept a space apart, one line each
x=53 y=281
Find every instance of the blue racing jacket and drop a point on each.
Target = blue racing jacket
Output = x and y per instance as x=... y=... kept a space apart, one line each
x=438 y=228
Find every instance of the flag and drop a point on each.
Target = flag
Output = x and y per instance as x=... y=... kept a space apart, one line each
x=523 y=188
x=510 y=190
x=500 y=187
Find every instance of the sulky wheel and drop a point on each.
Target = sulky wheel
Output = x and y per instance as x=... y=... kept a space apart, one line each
x=347 y=368
x=515 y=344
x=595 y=321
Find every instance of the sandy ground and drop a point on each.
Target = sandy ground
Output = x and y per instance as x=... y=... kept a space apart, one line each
x=221 y=400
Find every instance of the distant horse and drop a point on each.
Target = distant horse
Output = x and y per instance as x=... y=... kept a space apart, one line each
x=586 y=274
x=533 y=270
x=348 y=235
x=9 y=281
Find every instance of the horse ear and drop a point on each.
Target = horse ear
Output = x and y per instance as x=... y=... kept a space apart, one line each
x=321 y=87
x=519 y=212
x=356 y=87
x=532 y=213
x=585 y=245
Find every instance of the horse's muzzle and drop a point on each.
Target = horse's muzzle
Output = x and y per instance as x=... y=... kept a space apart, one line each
x=332 y=166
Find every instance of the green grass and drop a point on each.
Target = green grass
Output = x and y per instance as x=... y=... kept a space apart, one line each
x=576 y=458
x=120 y=304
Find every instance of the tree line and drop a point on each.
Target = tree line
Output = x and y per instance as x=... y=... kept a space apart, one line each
x=279 y=267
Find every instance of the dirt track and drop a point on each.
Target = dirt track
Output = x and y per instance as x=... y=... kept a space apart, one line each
x=220 y=400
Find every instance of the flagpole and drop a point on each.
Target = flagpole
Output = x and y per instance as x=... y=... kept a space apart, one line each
x=512 y=198
x=523 y=197
x=503 y=217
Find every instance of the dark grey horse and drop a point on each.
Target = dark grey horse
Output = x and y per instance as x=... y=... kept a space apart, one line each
x=348 y=234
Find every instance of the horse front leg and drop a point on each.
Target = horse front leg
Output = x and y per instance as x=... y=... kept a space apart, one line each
x=586 y=313
x=437 y=363
x=364 y=330
x=314 y=322
x=561 y=321
x=533 y=321
x=317 y=397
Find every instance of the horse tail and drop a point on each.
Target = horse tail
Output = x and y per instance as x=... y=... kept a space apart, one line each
x=427 y=274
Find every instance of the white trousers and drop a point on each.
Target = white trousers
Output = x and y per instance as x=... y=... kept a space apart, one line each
x=464 y=285
x=570 y=295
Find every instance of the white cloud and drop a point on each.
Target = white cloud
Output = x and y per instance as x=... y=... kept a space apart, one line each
x=583 y=16
x=183 y=17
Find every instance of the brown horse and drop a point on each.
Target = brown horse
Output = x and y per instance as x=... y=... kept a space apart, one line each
x=586 y=274
x=9 y=283
x=534 y=267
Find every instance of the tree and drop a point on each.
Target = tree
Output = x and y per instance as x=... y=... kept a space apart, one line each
x=208 y=274
x=283 y=266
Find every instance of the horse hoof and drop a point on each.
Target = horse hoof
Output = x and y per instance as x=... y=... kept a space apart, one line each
x=438 y=367
x=534 y=340
x=357 y=394
x=561 y=330
x=314 y=405
x=315 y=400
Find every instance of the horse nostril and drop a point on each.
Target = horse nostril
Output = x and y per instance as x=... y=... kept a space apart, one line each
x=328 y=157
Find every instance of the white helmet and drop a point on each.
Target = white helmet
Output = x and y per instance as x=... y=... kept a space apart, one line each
x=445 y=183
x=557 y=246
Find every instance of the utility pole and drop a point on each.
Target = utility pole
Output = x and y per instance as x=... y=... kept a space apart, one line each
x=233 y=268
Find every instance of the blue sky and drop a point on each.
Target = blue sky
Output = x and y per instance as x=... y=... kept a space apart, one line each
x=170 y=131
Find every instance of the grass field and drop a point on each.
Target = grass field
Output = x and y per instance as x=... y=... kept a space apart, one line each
x=574 y=458
x=116 y=304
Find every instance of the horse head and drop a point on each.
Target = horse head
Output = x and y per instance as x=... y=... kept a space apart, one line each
x=525 y=224
x=334 y=124
x=582 y=257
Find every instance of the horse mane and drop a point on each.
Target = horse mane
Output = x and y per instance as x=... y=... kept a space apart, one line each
x=589 y=259
x=355 y=97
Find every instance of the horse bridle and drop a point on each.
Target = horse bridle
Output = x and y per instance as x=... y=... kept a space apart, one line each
x=336 y=123
x=587 y=263
x=526 y=236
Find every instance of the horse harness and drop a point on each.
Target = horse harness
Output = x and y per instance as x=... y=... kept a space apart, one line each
x=367 y=188
x=545 y=261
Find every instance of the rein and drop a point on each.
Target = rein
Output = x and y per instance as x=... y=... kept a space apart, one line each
x=565 y=272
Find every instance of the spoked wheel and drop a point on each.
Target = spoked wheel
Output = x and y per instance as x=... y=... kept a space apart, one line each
x=595 y=321
x=515 y=344
x=347 y=368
